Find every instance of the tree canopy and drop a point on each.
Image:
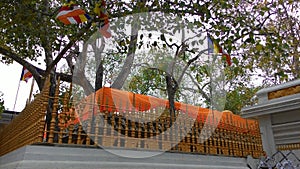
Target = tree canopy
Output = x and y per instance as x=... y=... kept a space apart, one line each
x=261 y=37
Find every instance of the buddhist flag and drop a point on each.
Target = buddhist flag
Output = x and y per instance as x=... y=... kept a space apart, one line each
x=26 y=75
x=214 y=47
x=100 y=10
x=70 y=13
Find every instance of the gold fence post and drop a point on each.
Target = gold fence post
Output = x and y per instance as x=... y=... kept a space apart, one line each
x=126 y=115
x=54 y=110
x=105 y=135
x=157 y=130
x=96 y=134
x=42 y=122
x=71 y=127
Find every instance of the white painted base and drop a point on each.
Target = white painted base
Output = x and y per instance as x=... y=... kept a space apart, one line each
x=55 y=157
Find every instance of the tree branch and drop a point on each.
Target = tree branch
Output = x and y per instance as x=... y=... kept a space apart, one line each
x=122 y=76
x=66 y=48
x=39 y=74
x=189 y=63
x=10 y=54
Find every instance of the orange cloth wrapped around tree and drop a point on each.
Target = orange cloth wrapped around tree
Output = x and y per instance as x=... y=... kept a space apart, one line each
x=113 y=100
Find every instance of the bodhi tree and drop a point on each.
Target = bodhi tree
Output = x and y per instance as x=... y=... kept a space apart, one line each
x=30 y=32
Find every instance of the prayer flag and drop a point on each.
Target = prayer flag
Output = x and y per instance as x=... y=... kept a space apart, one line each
x=214 y=47
x=100 y=10
x=70 y=13
x=26 y=75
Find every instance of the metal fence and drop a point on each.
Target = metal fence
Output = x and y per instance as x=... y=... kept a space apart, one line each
x=280 y=160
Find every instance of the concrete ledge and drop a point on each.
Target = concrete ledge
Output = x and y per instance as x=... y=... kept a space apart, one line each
x=54 y=157
x=278 y=105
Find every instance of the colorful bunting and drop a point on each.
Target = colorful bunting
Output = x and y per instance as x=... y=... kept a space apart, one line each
x=214 y=47
x=100 y=10
x=70 y=13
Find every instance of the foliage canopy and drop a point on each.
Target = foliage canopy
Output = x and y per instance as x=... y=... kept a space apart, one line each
x=262 y=38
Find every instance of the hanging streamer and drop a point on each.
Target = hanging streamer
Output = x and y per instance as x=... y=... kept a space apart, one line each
x=70 y=13
x=100 y=10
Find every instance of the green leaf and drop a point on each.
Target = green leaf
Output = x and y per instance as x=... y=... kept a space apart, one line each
x=259 y=47
x=235 y=60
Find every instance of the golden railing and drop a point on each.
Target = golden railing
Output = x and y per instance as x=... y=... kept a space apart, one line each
x=294 y=146
x=28 y=126
x=128 y=130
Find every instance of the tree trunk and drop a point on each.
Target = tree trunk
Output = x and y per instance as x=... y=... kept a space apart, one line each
x=171 y=91
x=126 y=69
x=53 y=86
x=99 y=76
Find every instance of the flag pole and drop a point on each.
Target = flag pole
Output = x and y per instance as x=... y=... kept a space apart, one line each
x=16 y=98
x=31 y=89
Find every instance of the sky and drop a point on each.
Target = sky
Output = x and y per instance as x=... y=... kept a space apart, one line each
x=11 y=75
